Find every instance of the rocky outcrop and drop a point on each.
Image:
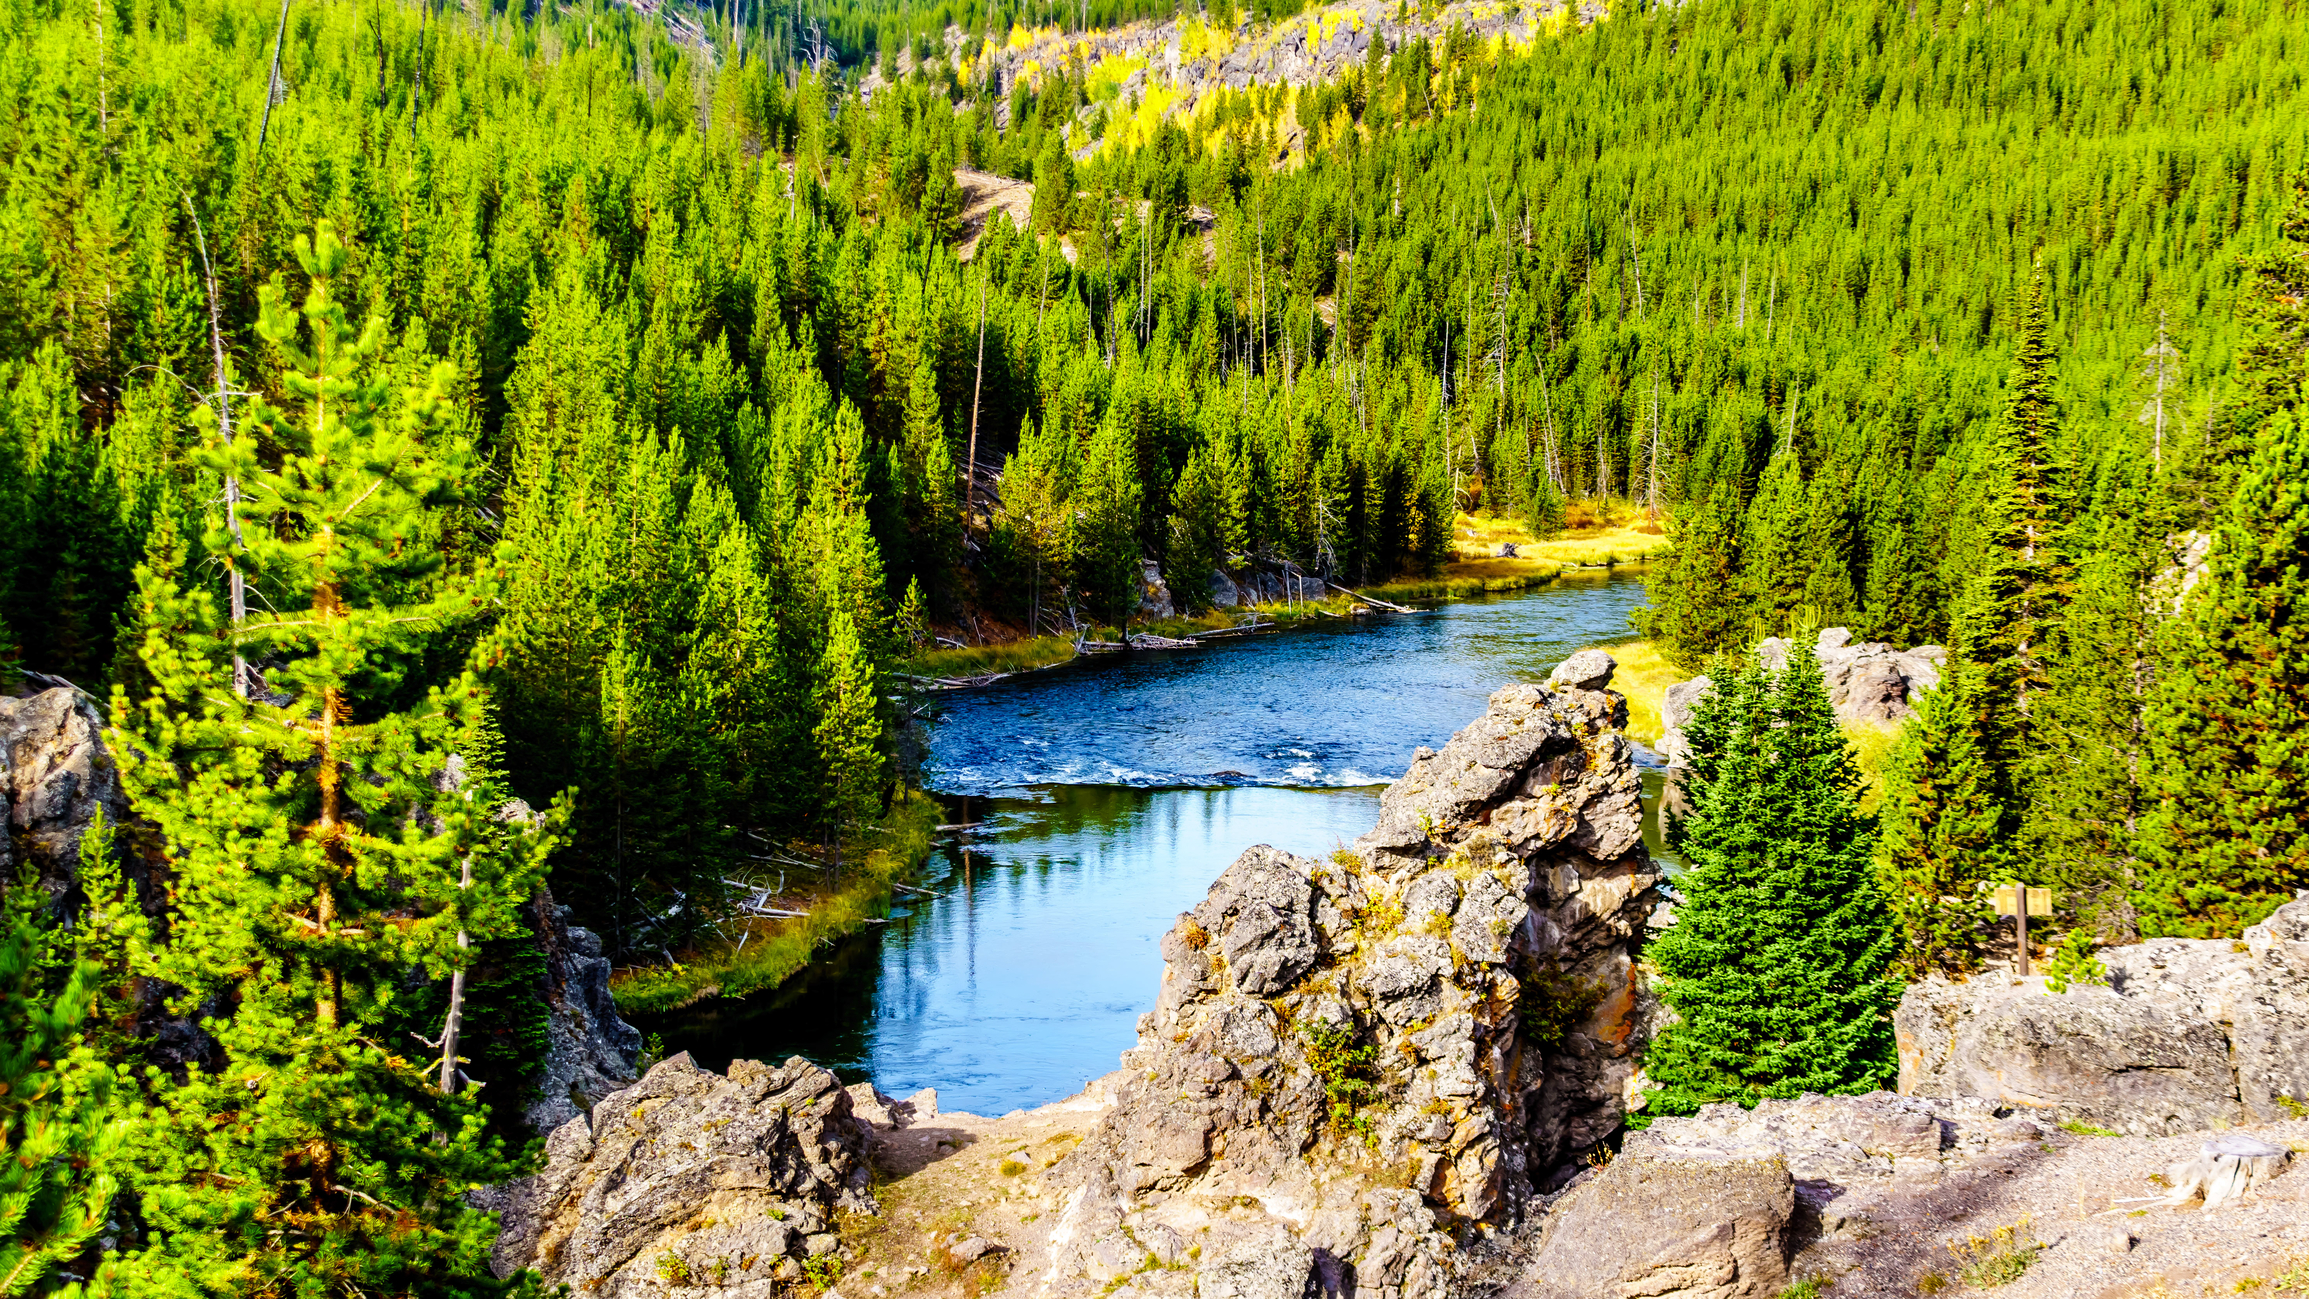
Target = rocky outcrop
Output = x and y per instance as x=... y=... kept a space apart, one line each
x=589 y=1050
x=690 y=1178
x=54 y=777
x=1366 y=1054
x=1870 y=683
x=2188 y=1034
x=1868 y=1192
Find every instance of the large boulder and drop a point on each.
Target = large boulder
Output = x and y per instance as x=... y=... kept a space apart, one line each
x=2188 y=1034
x=690 y=1177
x=1668 y=1225
x=1367 y=1053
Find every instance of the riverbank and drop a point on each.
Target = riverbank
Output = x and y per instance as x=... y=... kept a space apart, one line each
x=758 y=952
x=1477 y=569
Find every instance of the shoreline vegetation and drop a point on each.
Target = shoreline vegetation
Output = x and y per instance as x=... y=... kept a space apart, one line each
x=801 y=909
x=1475 y=569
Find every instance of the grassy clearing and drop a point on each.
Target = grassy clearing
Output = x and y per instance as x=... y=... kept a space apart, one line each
x=1644 y=676
x=872 y=859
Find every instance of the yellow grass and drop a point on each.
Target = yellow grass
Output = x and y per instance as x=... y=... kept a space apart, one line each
x=980 y=660
x=1644 y=676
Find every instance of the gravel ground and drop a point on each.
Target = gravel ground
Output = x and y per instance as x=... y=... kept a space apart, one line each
x=2086 y=1200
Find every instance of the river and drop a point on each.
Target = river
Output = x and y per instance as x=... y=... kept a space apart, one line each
x=1108 y=794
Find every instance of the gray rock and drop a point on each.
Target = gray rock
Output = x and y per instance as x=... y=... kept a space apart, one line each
x=1276 y=1267
x=589 y=1050
x=2189 y=1031
x=1870 y=683
x=1589 y=669
x=1689 y=1227
x=2091 y=1055
x=1511 y=856
x=1261 y=911
x=55 y=775
x=1154 y=597
x=730 y=1175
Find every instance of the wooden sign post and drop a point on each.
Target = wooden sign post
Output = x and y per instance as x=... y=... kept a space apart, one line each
x=2020 y=902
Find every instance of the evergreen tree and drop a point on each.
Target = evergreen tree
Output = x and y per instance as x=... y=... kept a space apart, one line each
x=59 y=1139
x=2084 y=769
x=1204 y=529
x=2012 y=609
x=1103 y=541
x=1778 y=964
x=2226 y=838
x=1939 y=845
x=1696 y=607
x=324 y=843
x=848 y=733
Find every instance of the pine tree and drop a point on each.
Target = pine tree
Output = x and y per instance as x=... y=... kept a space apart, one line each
x=2085 y=766
x=1103 y=526
x=1778 y=963
x=1696 y=608
x=2226 y=838
x=325 y=844
x=59 y=1137
x=2011 y=611
x=848 y=734
x=1939 y=845
x=1204 y=529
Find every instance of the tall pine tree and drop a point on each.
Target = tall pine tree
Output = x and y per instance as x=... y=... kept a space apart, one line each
x=1778 y=963
x=326 y=842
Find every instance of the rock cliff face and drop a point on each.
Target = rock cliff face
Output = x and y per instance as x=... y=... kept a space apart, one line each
x=589 y=1050
x=2188 y=1034
x=1353 y=1061
x=690 y=1178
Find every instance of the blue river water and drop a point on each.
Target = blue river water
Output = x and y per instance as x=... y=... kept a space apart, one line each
x=1107 y=796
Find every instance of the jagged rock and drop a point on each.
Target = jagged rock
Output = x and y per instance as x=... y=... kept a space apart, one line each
x=688 y=1173
x=1688 y=1226
x=589 y=1050
x=2188 y=1033
x=54 y=776
x=1339 y=1042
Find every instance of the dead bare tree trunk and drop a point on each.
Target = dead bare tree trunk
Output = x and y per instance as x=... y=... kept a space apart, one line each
x=456 y=1021
x=273 y=84
x=977 y=382
x=224 y=422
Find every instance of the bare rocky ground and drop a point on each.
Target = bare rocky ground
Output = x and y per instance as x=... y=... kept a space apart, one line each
x=2091 y=1201
x=965 y=1210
